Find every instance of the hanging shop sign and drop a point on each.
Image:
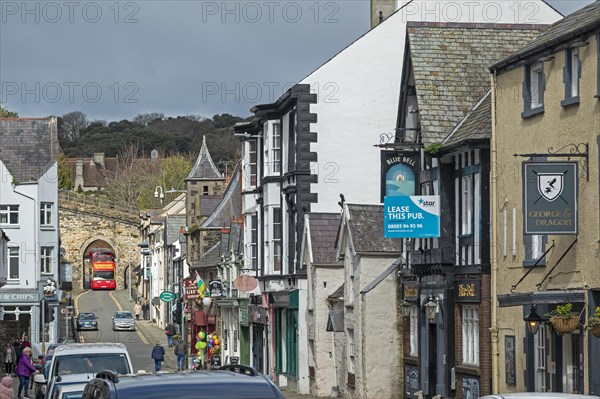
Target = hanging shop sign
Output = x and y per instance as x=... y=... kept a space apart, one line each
x=245 y=283
x=411 y=291
x=216 y=289
x=550 y=198
x=411 y=216
x=191 y=289
x=167 y=296
x=467 y=290
x=398 y=173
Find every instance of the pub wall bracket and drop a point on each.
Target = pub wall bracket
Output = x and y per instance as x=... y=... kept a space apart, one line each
x=570 y=150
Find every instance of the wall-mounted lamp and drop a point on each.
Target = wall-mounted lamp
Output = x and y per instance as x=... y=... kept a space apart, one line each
x=206 y=301
x=432 y=307
x=159 y=193
x=533 y=321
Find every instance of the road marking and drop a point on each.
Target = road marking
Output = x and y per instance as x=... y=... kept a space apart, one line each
x=137 y=331
x=76 y=309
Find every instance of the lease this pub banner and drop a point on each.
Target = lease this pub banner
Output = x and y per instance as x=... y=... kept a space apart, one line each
x=550 y=198
x=411 y=216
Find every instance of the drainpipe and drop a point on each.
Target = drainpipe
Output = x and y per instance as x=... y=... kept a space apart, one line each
x=493 y=253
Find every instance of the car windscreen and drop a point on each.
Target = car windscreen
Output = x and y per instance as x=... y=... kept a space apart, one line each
x=123 y=316
x=104 y=275
x=232 y=390
x=91 y=363
x=87 y=316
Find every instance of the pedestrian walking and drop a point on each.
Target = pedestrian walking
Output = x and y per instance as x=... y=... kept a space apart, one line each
x=10 y=357
x=170 y=331
x=145 y=310
x=179 y=352
x=18 y=349
x=158 y=354
x=24 y=370
x=6 y=388
x=137 y=309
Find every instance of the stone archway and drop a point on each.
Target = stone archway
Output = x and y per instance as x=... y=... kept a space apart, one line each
x=90 y=243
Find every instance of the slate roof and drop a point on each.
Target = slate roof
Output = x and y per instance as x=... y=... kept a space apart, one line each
x=204 y=168
x=94 y=173
x=208 y=204
x=28 y=146
x=366 y=228
x=323 y=229
x=338 y=293
x=572 y=28
x=230 y=206
x=476 y=125
x=210 y=258
x=450 y=62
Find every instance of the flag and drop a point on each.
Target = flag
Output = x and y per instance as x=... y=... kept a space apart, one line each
x=201 y=285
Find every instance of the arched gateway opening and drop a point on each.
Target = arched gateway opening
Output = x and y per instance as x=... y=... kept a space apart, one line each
x=88 y=248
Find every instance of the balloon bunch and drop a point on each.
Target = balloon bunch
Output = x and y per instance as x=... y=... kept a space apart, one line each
x=214 y=344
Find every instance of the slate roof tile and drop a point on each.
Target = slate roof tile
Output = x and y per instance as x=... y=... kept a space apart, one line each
x=204 y=168
x=366 y=227
x=323 y=234
x=460 y=56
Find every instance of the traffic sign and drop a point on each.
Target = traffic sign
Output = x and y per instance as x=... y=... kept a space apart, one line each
x=167 y=296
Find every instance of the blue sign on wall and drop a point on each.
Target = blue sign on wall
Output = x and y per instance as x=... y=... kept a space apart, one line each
x=415 y=216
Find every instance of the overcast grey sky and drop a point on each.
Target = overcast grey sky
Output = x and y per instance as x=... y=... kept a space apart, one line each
x=113 y=60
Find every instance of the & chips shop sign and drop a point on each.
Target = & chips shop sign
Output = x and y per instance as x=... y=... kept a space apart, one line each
x=550 y=198
x=191 y=289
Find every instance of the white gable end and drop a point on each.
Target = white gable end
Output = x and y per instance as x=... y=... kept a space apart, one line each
x=359 y=88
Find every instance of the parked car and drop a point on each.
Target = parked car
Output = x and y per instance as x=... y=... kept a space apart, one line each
x=87 y=321
x=85 y=360
x=69 y=386
x=123 y=320
x=229 y=382
x=539 y=395
x=45 y=360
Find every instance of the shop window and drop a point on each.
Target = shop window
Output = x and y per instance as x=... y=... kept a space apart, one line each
x=470 y=334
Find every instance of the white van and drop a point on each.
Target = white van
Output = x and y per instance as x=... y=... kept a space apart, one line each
x=83 y=360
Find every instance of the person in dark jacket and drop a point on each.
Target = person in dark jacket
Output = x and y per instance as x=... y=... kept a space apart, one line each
x=158 y=354
x=170 y=331
x=145 y=310
x=24 y=370
x=179 y=352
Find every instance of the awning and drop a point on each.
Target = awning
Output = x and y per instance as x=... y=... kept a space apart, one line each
x=541 y=297
x=335 y=322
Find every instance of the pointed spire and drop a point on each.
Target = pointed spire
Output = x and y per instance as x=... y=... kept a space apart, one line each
x=204 y=168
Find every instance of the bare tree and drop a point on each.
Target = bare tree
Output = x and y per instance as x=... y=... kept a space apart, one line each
x=72 y=123
x=131 y=177
x=145 y=119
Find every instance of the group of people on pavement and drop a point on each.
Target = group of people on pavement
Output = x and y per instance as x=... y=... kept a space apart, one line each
x=20 y=353
x=144 y=309
x=175 y=341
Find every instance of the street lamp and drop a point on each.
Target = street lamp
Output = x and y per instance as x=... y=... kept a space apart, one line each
x=159 y=194
x=533 y=321
x=406 y=306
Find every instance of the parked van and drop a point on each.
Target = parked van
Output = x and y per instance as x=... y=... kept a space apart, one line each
x=83 y=360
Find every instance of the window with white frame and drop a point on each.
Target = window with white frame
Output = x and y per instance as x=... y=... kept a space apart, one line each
x=46 y=213
x=277 y=234
x=46 y=260
x=533 y=89
x=535 y=247
x=252 y=158
x=470 y=334
x=466 y=205
x=414 y=331
x=276 y=148
x=540 y=359
x=254 y=241
x=13 y=263
x=9 y=214
x=571 y=76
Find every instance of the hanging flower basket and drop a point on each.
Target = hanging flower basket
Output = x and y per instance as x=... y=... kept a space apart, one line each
x=596 y=331
x=565 y=325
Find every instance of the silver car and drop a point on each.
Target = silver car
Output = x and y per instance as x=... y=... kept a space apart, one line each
x=123 y=320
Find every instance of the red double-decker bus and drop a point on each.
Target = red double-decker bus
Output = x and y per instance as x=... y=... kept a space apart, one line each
x=103 y=269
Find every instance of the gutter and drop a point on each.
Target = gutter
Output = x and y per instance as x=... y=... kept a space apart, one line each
x=494 y=236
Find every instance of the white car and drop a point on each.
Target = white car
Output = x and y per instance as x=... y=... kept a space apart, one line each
x=70 y=386
x=84 y=360
x=539 y=395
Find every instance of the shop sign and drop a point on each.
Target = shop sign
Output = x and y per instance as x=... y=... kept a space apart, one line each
x=235 y=340
x=467 y=291
x=225 y=339
x=411 y=291
x=415 y=216
x=216 y=289
x=215 y=362
x=191 y=289
x=470 y=387
x=550 y=198
x=167 y=296
x=258 y=314
x=245 y=283
x=281 y=299
x=398 y=173
x=13 y=297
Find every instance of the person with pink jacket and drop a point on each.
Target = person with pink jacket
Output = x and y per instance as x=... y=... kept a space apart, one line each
x=6 y=389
